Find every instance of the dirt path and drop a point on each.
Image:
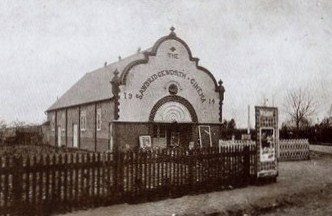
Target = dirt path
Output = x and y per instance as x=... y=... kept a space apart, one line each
x=321 y=148
x=296 y=180
x=318 y=203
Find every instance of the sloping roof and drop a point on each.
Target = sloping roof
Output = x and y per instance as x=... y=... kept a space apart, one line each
x=95 y=85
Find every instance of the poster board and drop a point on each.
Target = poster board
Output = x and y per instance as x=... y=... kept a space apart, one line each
x=145 y=142
x=267 y=144
x=267 y=137
x=159 y=143
x=175 y=139
x=204 y=136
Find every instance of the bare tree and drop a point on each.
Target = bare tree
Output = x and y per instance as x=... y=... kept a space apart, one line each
x=329 y=112
x=18 y=124
x=300 y=106
x=3 y=124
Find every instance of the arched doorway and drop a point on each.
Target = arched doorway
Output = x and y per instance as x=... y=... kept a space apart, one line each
x=173 y=118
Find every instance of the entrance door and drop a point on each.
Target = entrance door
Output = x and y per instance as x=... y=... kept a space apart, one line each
x=173 y=124
x=172 y=135
x=75 y=135
x=178 y=135
x=59 y=136
x=205 y=136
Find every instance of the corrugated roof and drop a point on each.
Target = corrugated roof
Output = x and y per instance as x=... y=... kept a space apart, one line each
x=95 y=85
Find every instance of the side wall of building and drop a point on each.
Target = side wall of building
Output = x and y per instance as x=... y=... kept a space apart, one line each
x=126 y=135
x=103 y=135
x=51 y=119
x=90 y=138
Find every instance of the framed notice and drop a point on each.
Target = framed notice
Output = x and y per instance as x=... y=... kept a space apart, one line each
x=204 y=136
x=175 y=139
x=145 y=142
x=159 y=142
x=191 y=145
x=267 y=144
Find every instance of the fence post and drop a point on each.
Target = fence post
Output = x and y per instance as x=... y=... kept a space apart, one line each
x=115 y=175
x=17 y=186
x=246 y=161
x=118 y=173
x=190 y=170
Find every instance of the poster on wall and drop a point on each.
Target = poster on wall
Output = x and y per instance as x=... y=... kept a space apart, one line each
x=159 y=143
x=267 y=146
x=175 y=139
x=145 y=142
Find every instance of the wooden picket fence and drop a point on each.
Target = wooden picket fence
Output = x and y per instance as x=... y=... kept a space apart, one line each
x=65 y=182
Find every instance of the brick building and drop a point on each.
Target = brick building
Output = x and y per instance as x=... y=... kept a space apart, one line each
x=161 y=93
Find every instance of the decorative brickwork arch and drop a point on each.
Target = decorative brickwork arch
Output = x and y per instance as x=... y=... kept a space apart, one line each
x=173 y=98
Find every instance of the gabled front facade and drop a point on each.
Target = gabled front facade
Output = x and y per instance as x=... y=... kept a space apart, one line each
x=162 y=93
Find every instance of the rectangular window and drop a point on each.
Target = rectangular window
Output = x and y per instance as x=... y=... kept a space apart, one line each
x=83 y=120
x=53 y=122
x=63 y=121
x=98 y=119
x=162 y=132
x=75 y=135
x=59 y=136
x=159 y=131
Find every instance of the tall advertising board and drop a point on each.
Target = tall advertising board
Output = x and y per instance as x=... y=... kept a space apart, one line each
x=267 y=141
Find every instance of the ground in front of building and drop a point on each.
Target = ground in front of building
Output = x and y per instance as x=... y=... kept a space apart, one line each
x=302 y=188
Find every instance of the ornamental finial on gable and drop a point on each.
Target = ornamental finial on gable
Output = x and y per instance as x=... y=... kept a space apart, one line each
x=115 y=91
x=116 y=73
x=172 y=31
x=116 y=79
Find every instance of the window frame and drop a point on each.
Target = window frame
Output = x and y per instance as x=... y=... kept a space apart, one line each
x=63 y=120
x=98 y=119
x=53 y=122
x=83 y=120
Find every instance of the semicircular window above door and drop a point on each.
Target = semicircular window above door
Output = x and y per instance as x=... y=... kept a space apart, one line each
x=172 y=112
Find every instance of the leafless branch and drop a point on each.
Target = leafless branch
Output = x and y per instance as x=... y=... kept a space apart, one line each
x=299 y=105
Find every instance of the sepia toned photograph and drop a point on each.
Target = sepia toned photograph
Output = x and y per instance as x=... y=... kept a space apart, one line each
x=166 y=108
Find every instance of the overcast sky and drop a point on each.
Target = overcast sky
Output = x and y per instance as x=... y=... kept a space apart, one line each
x=260 y=49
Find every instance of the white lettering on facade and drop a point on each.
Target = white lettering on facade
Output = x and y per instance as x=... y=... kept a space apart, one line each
x=156 y=76
x=175 y=73
x=199 y=90
x=173 y=55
